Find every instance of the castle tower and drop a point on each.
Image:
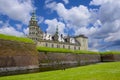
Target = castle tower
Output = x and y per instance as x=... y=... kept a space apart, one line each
x=56 y=36
x=83 y=41
x=34 y=31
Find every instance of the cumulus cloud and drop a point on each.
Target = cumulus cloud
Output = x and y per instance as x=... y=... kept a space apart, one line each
x=76 y=16
x=10 y=31
x=40 y=19
x=19 y=26
x=101 y=25
x=6 y=28
x=50 y=4
x=66 y=1
x=26 y=31
x=108 y=15
x=52 y=25
x=17 y=9
x=1 y=22
x=99 y=2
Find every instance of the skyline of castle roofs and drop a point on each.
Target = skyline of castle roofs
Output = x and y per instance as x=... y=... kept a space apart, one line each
x=98 y=20
x=56 y=40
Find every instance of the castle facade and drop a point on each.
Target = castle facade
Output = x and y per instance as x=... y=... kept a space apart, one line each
x=55 y=41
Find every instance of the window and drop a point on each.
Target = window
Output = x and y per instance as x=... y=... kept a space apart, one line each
x=79 y=48
x=57 y=46
x=74 y=47
x=68 y=47
x=52 y=45
x=46 y=44
x=63 y=46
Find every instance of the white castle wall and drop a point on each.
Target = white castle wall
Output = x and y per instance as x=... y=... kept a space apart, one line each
x=52 y=44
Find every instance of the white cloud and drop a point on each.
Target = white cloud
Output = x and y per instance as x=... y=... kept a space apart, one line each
x=66 y=1
x=17 y=9
x=1 y=22
x=19 y=26
x=100 y=2
x=40 y=19
x=50 y=4
x=52 y=25
x=10 y=31
x=26 y=31
x=75 y=17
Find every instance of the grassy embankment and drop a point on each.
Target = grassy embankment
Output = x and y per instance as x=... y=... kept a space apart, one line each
x=46 y=49
x=110 y=52
x=102 y=71
x=14 y=38
x=61 y=50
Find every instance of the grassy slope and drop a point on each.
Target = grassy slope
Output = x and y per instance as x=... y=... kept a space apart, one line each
x=61 y=50
x=103 y=71
x=110 y=52
x=14 y=38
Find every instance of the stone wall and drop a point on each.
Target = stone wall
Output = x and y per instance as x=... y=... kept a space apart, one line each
x=110 y=57
x=50 y=61
x=14 y=55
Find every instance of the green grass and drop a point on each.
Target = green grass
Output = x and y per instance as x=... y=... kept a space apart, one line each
x=62 y=50
x=102 y=71
x=14 y=38
x=110 y=52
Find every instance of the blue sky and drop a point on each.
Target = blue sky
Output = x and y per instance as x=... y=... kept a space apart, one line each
x=99 y=20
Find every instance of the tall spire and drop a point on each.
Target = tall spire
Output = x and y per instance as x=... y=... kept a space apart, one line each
x=57 y=30
x=33 y=16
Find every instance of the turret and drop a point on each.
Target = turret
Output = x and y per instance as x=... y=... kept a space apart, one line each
x=34 y=31
x=56 y=36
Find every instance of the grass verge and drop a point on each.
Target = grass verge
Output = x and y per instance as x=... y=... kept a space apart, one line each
x=102 y=71
x=62 y=50
x=110 y=52
x=14 y=38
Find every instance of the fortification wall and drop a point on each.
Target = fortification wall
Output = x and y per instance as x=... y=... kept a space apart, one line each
x=50 y=61
x=17 y=56
x=110 y=57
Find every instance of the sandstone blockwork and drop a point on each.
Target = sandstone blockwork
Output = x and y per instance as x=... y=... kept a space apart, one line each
x=17 y=54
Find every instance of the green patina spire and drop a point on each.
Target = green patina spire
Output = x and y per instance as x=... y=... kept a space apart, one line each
x=57 y=30
x=33 y=16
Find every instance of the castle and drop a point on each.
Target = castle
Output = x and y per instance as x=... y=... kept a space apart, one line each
x=55 y=41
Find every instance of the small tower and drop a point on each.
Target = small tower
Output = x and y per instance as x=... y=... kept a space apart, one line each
x=56 y=36
x=34 y=31
x=83 y=41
